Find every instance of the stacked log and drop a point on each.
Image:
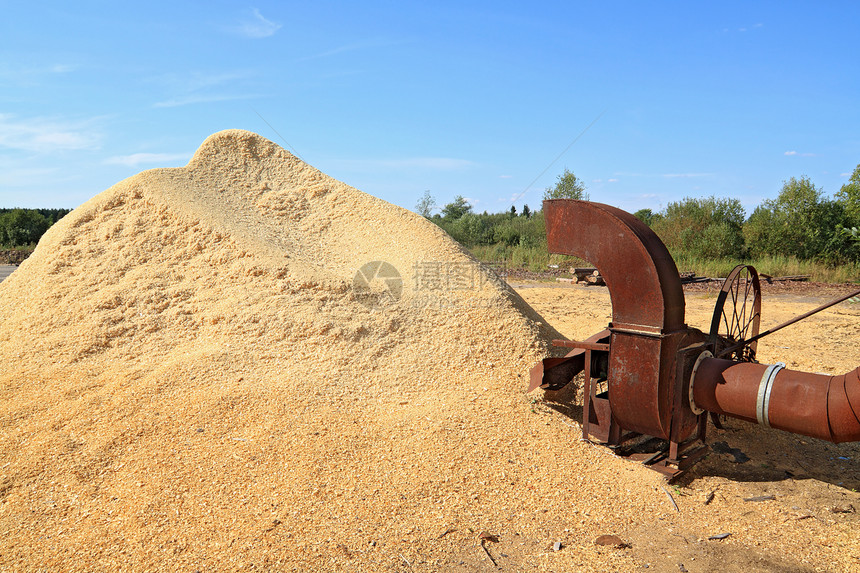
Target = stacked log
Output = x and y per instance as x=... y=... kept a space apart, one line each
x=595 y=279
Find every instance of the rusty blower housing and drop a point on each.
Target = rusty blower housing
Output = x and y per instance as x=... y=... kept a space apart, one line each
x=661 y=375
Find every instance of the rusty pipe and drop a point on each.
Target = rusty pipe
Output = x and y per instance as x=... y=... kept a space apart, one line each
x=815 y=405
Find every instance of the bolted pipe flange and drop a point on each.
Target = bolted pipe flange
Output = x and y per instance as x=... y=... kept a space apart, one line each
x=706 y=354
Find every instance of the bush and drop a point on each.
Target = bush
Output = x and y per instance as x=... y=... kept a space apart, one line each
x=801 y=223
x=20 y=227
x=710 y=228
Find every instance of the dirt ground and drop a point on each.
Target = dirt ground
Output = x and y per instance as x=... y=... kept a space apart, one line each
x=799 y=480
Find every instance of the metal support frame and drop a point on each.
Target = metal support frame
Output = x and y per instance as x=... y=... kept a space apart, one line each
x=683 y=452
x=599 y=425
x=596 y=411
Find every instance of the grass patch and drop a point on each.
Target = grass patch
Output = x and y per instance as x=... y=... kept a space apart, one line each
x=533 y=258
x=536 y=258
x=774 y=266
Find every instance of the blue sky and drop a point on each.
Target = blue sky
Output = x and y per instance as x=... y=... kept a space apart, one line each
x=480 y=99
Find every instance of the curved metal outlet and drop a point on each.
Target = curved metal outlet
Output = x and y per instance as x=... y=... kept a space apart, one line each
x=640 y=273
x=647 y=307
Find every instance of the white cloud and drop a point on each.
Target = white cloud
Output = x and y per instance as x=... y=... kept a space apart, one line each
x=844 y=175
x=612 y=180
x=332 y=52
x=371 y=43
x=471 y=201
x=800 y=154
x=197 y=87
x=200 y=98
x=256 y=26
x=678 y=175
x=790 y=153
x=431 y=163
x=17 y=177
x=44 y=135
x=31 y=75
x=743 y=29
x=136 y=159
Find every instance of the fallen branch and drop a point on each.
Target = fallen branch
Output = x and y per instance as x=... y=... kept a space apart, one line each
x=487 y=551
x=672 y=499
x=772 y=280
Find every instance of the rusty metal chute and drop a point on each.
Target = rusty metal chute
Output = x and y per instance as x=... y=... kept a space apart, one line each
x=662 y=377
x=615 y=242
x=647 y=325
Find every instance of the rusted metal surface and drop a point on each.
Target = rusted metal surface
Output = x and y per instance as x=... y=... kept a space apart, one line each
x=661 y=376
x=641 y=276
x=752 y=340
x=737 y=314
x=555 y=373
x=647 y=305
x=815 y=405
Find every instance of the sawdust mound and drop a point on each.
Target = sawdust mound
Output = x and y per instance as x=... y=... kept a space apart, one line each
x=245 y=363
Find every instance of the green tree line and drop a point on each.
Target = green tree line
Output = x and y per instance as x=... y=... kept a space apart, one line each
x=801 y=223
x=24 y=227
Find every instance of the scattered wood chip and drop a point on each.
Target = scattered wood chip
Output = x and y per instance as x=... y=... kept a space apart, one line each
x=446 y=532
x=556 y=546
x=844 y=508
x=345 y=550
x=760 y=498
x=718 y=536
x=710 y=497
x=611 y=540
x=488 y=537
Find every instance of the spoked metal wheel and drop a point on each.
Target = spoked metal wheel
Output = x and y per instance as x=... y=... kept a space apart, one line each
x=737 y=314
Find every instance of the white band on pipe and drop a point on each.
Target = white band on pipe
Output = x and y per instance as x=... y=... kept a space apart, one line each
x=763 y=401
